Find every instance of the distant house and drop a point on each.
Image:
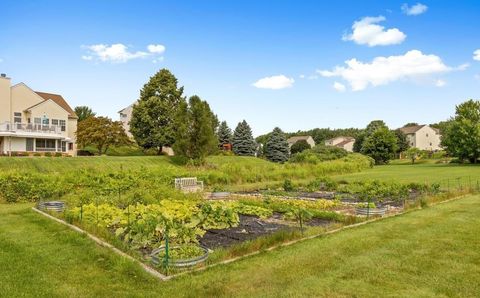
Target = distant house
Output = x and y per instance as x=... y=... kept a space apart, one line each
x=295 y=139
x=423 y=137
x=341 y=142
x=126 y=117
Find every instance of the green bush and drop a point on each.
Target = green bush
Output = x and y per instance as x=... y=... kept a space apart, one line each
x=48 y=154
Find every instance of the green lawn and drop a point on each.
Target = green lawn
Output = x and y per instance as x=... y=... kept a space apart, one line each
x=425 y=172
x=430 y=253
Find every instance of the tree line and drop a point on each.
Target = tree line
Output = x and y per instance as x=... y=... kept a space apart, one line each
x=164 y=117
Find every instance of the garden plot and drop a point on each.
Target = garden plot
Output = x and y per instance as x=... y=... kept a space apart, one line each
x=249 y=228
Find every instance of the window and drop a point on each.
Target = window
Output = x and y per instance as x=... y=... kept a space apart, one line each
x=17 y=117
x=54 y=121
x=427 y=135
x=46 y=121
x=45 y=144
x=64 y=146
x=37 y=123
x=29 y=145
x=62 y=125
x=59 y=144
x=70 y=146
x=430 y=144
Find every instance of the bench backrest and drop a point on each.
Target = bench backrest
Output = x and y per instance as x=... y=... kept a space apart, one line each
x=179 y=182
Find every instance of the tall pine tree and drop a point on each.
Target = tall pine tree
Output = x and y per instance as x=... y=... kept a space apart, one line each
x=153 y=123
x=224 y=134
x=276 y=148
x=196 y=125
x=243 y=142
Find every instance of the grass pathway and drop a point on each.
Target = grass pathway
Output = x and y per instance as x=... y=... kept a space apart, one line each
x=430 y=253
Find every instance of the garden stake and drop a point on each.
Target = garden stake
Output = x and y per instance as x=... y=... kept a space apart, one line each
x=165 y=261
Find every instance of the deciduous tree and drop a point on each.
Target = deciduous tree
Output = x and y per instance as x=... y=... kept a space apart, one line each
x=153 y=116
x=83 y=112
x=102 y=133
x=461 y=137
x=381 y=145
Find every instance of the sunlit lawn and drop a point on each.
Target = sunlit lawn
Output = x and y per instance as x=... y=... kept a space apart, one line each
x=428 y=253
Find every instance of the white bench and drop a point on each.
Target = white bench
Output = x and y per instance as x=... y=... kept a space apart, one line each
x=188 y=184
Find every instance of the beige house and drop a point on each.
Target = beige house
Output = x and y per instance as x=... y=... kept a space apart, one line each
x=126 y=117
x=32 y=121
x=423 y=137
x=341 y=142
x=308 y=139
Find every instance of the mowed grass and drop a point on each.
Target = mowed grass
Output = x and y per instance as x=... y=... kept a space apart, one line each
x=427 y=172
x=434 y=252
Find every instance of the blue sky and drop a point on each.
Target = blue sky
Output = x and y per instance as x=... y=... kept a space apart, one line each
x=220 y=50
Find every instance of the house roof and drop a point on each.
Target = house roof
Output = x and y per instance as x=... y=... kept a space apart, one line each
x=411 y=129
x=342 y=137
x=345 y=142
x=298 y=138
x=59 y=100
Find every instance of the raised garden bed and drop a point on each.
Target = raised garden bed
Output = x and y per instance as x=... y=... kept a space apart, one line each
x=57 y=206
x=157 y=257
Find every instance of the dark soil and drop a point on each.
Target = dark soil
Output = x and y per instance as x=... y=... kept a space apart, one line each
x=249 y=228
x=318 y=222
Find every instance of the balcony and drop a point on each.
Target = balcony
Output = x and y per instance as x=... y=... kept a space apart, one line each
x=30 y=129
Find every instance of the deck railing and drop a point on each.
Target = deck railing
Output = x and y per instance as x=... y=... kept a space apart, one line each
x=30 y=127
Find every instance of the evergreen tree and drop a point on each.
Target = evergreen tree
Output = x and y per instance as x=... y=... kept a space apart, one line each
x=243 y=142
x=153 y=116
x=224 y=134
x=196 y=126
x=276 y=148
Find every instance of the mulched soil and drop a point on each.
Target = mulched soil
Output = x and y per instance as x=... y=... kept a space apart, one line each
x=250 y=227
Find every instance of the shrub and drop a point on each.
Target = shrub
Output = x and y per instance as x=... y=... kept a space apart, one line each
x=300 y=146
x=37 y=154
x=288 y=185
x=48 y=154
x=58 y=154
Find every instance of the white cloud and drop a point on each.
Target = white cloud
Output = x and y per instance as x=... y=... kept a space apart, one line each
x=302 y=76
x=476 y=55
x=339 y=87
x=414 y=10
x=367 y=32
x=384 y=70
x=119 y=53
x=274 y=82
x=156 y=48
x=477 y=77
x=440 y=83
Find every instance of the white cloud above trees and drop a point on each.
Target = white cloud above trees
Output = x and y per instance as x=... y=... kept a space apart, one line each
x=274 y=82
x=120 y=53
x=384 y=70
x=414 y=10
x=367 y=31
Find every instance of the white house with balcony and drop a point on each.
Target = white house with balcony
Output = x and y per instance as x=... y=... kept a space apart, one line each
x=32 y=121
